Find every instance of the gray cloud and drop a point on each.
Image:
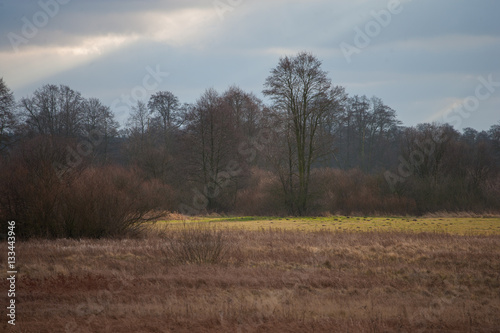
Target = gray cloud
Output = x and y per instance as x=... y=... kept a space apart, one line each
x=429 y=55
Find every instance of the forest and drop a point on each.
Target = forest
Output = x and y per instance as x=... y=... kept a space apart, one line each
x=69 y=169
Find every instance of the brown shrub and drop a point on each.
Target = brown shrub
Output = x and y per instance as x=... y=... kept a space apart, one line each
x=30 y=189
x=332 y=191
x=491 y=189
x=262 y=196
x=352 y=191
x=197 y=244
x=108 y=201
x=85 y=202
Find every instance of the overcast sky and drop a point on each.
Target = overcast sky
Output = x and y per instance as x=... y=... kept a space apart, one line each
x=427 y=59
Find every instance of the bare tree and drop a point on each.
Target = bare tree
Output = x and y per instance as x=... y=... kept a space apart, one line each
x=166 y=106
x=246 y=109
x=359 y=108
x=364 y=131
x=163 y=130
x=142 y=144
x=368 y=125
x=213 y=140
x=7 y=117
x=70 y=111
x=495 y=132
x=424 y=149
x=300 y=91
x=138 y=122
x=98 y=117
x=98 y=121
x=53 y=110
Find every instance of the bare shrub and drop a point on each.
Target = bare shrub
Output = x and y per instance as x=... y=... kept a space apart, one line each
x=197 y=244
x=30 y=191
x=86 y=202
x=491 y=189
x=262 y=196
x=352 y=191
x=108 y=201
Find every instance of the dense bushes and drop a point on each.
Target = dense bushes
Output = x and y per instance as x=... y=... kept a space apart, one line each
x=354 y=192
x=84 y=202
x=335 y=191
x=108 y=201
x=262 y=195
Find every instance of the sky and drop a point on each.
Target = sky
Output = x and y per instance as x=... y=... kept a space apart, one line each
x=430 y=60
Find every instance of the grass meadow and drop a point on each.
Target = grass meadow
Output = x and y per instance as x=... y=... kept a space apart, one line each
x=457 y=225
x=248 y=274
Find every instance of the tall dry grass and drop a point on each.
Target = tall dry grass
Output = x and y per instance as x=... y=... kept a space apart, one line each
x=273 y=280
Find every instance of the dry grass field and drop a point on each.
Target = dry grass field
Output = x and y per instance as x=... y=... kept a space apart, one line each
x=460 y=224
x=261 y=279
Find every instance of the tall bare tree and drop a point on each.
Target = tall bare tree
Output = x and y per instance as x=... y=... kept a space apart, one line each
x=301 y=92
x=213 y=139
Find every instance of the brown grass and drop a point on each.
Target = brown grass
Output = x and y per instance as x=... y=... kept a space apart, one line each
x=272 y=281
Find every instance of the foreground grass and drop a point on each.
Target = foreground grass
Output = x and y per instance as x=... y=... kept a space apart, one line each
x=271 y=280
x=451 y=225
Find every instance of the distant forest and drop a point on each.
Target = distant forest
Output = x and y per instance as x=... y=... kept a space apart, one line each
x=67 y=169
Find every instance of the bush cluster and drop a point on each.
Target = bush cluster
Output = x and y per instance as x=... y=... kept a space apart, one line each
x=86 y=202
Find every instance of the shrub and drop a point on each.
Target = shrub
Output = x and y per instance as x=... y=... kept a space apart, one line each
x=263 y=195
x=87 y=202
x=197 y=244
x=30 y=191
x=352 y=191
x=108 y=201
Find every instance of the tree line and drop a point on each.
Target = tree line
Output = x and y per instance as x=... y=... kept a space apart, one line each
x=313 y=149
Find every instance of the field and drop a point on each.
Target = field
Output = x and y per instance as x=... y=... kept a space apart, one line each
x=332 y=274
x=450 y=225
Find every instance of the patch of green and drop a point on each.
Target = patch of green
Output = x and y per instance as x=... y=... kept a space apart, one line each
x=452 y=225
